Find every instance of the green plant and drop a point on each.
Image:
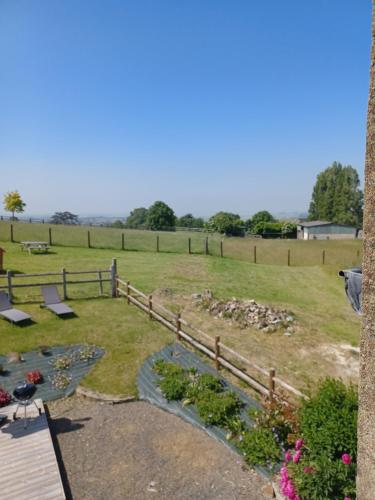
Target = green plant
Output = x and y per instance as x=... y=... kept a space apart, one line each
x=201 y=383
x=60 y=380
x=259 y=447
x=62 y=362
x=85 y=353
x=328 y=420
x=174 y=387
x=217 y=408
x=324 y=467
x=280 y=418
x=165 y=369
x=323 y=478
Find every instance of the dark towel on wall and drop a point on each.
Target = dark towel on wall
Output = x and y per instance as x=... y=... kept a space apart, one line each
x=353 y=287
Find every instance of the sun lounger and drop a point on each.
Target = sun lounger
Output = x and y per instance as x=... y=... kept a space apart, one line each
x=9 y=312
x=53 y=302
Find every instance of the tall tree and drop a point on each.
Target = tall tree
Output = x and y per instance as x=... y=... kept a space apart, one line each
x=137 y=218
x=66 y=218
x=13 y=203
x=366 y=420
x=226 y=223
x=189 y=220
x=160 y=216
x=336 y=196
x=262 y=216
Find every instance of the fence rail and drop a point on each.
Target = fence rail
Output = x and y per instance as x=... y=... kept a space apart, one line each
x=212 y=347
x=12 y=278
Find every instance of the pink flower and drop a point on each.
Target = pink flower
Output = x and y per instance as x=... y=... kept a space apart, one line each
x=290 y=491
x=297 y=456
x=288 y=456
x=346 y=498
x=346 y=459
x=299 y=444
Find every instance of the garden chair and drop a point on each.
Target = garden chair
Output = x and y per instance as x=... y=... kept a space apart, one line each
x=53 y=302
x=9 y=312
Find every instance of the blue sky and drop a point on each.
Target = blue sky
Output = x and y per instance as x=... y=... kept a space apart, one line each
x=206 y=104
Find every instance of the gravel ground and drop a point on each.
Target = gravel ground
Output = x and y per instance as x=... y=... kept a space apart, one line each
x=137 y=451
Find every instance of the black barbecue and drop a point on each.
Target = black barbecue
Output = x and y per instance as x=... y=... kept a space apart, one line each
x=23 y=394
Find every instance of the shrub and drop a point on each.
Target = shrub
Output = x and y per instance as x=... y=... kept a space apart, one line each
x=259 y=447
x=62 y=362
x=278 y=417
x=328 y=420
x=174 y=387
x=5 y=397
x=202 y=383
x=217 y=408
x=34 y=376
x=165 y=369
x=326 y=465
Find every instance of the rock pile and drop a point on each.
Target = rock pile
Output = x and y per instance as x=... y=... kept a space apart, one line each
x=247 y=313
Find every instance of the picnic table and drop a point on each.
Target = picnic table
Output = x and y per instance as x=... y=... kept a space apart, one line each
x=37 y=246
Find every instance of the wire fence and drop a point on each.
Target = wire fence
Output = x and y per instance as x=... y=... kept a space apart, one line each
x=288 y=252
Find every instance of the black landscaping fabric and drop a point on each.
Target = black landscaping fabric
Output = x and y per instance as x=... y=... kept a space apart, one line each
x=15 y=373
x=148 y=379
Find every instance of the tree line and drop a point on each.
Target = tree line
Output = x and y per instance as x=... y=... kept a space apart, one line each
x=336 y=197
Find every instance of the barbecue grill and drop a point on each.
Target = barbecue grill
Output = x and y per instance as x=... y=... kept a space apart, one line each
x=23 y=394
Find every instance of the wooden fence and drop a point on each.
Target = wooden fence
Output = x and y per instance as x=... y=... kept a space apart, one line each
x=63 y=278
x=264 y=381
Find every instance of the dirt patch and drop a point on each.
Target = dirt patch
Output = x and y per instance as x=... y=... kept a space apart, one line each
x=343 y=359
x=137 y=451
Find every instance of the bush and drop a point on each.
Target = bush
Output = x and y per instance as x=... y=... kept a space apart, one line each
x=174 y=387
x=279 y=418
x=325 y=467
x=202 y=383
x=5 y=397
x=259 y=447
x=328 y=420
x=218 y=408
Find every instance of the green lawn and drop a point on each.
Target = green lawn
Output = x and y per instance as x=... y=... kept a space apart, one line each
x=302 y=253
x=315 y=294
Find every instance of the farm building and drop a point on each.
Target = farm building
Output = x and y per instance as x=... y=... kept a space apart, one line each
x=323 y=230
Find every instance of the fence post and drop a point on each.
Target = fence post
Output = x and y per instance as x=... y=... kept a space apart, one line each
x=63 y=274
x=127 y=290
x=189 y=245
x=271 y=383
x=88 y=240
x=150 y=306
x=255 y=254
x=122 y=241
x=206 y=246
x=9 y=279
x=217 y=352
x=221 y=248
x=42 y=221
x=288 y=256
x=323 y=257
x=11 y=233
x=50 y=236
x=178 y=325
x=100 y=283
x=114 y=278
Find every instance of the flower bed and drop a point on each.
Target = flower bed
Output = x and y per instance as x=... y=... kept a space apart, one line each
x=316 y=441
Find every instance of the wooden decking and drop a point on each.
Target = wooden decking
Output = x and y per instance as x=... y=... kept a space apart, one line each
x=28 y=465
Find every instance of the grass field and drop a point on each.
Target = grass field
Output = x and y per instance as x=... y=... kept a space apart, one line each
x=314 y=294
x=275 y=252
